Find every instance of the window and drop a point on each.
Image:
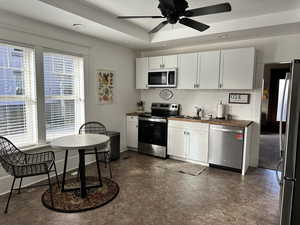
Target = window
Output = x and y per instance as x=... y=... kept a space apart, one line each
x=17 y=95
x=64 y=95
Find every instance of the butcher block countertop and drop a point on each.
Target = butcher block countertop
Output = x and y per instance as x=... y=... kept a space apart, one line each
x=134 y=113
x=232 y=123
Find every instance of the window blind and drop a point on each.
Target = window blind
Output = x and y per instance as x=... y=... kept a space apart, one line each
x=64 y=97
x=17 y=95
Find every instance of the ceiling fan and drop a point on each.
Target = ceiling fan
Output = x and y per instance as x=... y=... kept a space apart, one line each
x=176 y=10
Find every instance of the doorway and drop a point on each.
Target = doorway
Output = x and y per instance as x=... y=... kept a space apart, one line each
x=274 y=75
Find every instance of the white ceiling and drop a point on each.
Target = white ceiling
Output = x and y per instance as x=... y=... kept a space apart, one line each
x=240 y=9
x=269 y=17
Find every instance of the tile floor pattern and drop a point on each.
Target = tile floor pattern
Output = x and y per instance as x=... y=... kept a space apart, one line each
x=151 y=195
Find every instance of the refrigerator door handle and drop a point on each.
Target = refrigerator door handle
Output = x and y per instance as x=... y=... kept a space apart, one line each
x=290 y=179
x=281 y=141
x=279 y=179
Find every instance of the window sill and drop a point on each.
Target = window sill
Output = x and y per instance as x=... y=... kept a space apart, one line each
x=34 y=147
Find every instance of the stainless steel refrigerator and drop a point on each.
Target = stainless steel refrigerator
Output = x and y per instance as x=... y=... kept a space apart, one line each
x=290 y=144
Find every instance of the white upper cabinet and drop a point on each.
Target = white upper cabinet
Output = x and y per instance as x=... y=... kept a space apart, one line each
x=208 y=70
x=187 y=71
x=170 y=61
x=237 y=68
x=141 y=73
x=219 y=69
x=161 y=62
x=155 y=62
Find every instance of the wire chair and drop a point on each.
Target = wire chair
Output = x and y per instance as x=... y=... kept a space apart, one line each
x=95 y=127
x=20 y=165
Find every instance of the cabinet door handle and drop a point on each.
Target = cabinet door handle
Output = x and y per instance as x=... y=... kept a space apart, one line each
x=146 y=85
x=221 y=85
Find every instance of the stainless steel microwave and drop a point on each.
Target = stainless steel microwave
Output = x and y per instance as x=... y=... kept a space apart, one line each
x=162 y=78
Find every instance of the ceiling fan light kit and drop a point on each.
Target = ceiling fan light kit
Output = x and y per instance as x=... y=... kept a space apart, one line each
x=176 y=11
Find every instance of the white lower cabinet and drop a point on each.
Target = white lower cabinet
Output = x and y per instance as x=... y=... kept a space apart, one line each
x=188 y=140
x=197 y=145
x=132 y=131
x=176 y=142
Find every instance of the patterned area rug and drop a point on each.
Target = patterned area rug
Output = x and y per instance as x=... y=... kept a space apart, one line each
x=71 y=201
x=181 y=167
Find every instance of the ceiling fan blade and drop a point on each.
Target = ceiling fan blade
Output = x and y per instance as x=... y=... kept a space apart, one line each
x=220 y=8
x=194 y=24
x=139 y=17
x=157 y=28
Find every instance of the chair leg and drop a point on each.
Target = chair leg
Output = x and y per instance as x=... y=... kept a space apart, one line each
x=98 y=168
x=8 y=200
x=108 y=162
x=19 y=191
x=57 y=180
x=50 y=189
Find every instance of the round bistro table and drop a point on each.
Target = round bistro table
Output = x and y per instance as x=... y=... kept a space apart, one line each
x=80 y=143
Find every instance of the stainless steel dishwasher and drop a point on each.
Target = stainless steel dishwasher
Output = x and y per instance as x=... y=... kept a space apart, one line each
x=226 y=145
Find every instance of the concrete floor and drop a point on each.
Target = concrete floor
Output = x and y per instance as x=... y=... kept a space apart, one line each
x=151 y=195
x=269 y=153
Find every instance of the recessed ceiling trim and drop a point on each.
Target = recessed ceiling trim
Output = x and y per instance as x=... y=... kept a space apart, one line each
x=264 y=21
x=100 y=16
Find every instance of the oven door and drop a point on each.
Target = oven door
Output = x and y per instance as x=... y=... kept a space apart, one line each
x=153 y=132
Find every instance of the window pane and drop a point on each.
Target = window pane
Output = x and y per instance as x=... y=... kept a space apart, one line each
x=60 y=117
x=63 y=106
x=17 y=113
x=11 y=82
x=3 y=56
x=12 y=118
x=16 y=58
x=58 y=85
x=58 y=64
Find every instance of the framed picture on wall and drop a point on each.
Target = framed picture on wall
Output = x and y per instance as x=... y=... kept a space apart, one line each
x=239 y=98
x=105 y=86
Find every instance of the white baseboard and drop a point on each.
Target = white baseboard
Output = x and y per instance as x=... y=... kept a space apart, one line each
x=6 y=181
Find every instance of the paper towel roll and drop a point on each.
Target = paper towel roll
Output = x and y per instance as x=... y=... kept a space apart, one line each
x=220 y=111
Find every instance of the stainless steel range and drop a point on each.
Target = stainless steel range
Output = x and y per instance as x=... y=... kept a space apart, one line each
x=153 y=129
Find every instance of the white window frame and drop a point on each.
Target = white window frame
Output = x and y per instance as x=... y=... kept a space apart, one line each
x=29 y=98
x=78 y=97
